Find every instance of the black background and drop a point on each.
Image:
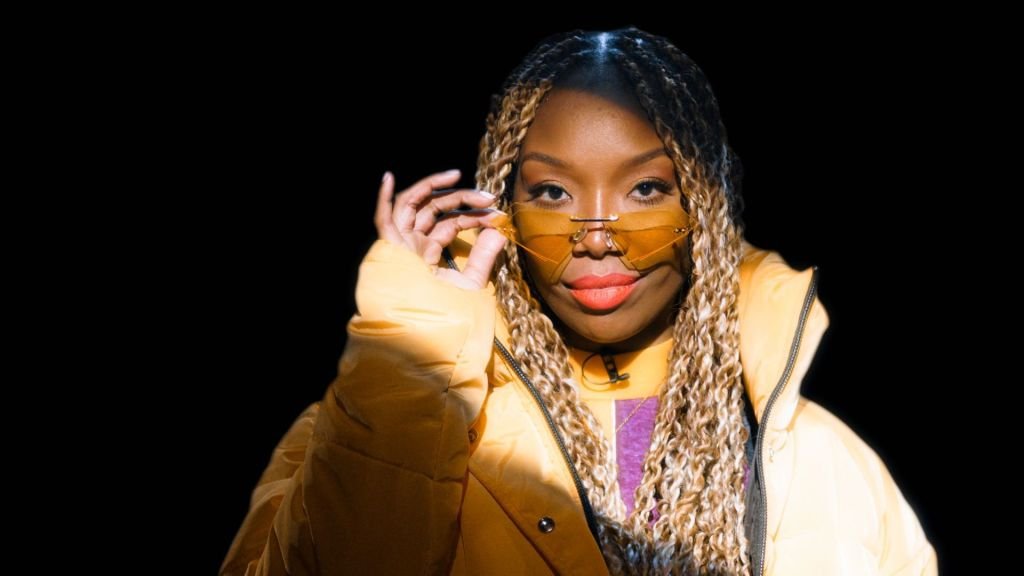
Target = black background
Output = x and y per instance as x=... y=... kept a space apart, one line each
x=291 y=124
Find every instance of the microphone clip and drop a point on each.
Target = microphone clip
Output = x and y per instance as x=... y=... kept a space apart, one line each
x=613 y=371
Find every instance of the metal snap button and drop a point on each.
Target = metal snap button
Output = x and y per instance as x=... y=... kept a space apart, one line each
x=546 y=525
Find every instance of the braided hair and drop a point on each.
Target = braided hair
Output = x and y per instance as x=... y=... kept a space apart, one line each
x=693 y=475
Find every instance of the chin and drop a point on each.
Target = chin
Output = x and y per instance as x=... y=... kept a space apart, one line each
x=609 y=327
x=633 y=323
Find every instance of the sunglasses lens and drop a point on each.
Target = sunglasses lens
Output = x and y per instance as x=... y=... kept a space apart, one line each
x=644 y=238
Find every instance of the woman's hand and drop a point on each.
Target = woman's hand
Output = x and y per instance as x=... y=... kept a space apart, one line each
x=420 y=221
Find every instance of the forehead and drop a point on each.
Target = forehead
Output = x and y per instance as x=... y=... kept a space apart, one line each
x=573 y=124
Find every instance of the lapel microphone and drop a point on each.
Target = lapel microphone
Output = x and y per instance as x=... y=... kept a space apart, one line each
x=613 y=371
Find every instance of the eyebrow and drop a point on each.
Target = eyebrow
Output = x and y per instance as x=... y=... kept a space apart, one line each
x=631 y=163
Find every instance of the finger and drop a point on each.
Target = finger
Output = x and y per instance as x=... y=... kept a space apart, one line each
x=412 y=199
x=482 y=257
x=382 y=217
x=472 y=196
x=445 y=231
x=437 y=204
x=432 y=253
x=444 y=201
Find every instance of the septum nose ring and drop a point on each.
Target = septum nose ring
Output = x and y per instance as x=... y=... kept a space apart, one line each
x=580 y=234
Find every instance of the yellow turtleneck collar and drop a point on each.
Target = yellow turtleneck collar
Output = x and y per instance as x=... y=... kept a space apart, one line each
x=647 y=369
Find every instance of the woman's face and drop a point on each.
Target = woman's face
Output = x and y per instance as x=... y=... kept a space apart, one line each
x=587 y=156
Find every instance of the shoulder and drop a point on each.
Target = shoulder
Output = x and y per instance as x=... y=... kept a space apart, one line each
x=823 y=434
x=836 y=470
x=836 y=473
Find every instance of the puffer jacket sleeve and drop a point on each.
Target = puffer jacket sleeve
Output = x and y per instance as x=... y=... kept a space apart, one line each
x=380 y=485
x=907 y=551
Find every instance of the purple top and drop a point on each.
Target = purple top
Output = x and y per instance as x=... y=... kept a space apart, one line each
x=632 y=441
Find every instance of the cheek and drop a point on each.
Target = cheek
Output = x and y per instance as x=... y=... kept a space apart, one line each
x=535 y=271
x=668 y=278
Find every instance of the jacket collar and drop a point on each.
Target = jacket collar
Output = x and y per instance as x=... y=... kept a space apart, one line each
x=771 y=305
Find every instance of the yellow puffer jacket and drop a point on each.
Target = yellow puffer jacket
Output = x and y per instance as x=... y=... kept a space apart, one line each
x=429 y=456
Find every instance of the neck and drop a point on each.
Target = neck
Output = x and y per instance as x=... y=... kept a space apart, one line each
x=653 y=334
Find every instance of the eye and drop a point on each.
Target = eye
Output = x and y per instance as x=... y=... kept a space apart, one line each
x=549 y=195
x=651 y=191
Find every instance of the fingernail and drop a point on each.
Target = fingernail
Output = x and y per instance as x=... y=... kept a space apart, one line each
x=487 y=194
x=452 y=171
x=385 y=177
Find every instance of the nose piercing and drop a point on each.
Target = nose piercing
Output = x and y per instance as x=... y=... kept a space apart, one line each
x=580 y=234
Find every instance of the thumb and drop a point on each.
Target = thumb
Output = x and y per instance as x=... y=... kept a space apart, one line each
x=482 y=257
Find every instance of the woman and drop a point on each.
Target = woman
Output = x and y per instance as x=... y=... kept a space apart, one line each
x=579 y=367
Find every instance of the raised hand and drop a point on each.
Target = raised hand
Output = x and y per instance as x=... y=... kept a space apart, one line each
x=422 y=219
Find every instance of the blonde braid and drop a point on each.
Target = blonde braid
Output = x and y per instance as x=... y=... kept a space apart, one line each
x=696 y=453
x=694 y=470
x=535 y=342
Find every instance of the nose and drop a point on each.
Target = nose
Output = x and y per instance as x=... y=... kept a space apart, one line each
x=593 y=238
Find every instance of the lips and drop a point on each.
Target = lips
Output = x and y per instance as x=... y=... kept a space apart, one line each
x=608 y=281
x=602 y=292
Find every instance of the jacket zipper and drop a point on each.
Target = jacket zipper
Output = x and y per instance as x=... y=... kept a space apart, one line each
x=588 y=511
x=794 y=349
x=581 y=491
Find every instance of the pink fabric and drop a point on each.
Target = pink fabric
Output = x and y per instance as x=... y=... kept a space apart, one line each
x=632 y=442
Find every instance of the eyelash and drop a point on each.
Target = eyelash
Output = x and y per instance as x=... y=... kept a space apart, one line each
x=656 y=184
x=650 y=199
x=537 y=191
